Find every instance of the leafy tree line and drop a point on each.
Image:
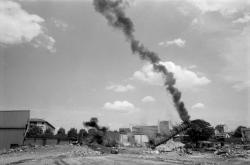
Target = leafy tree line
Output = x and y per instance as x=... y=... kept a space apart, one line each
x=199 y=130
x=36 y=131
x=93 y=134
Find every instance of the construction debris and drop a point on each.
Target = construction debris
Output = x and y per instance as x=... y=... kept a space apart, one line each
x=170 y=146
x=75 y=150
x=231 y=152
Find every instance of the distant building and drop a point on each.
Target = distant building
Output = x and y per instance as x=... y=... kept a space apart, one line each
x=221 y=131
x=124 y=130
x=164 y=127
x=124 y=139
x=221 y=128
x=150 y=131
x=43 y=124
x=13 y=126
x=141 y=139
x=125 y=136
x=127 y=139
x=140 y=134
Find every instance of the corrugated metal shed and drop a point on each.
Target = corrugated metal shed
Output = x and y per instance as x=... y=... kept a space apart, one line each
x=12 y=127
x=14 y=119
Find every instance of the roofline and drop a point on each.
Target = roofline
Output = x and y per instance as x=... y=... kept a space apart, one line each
x=42 y=121
x=50 y=124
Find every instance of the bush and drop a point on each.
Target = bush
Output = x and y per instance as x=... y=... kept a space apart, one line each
x=61 y=132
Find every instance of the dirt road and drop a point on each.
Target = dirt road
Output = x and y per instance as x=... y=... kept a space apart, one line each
x=113 y=160
x=77 y=155
x=100 y=160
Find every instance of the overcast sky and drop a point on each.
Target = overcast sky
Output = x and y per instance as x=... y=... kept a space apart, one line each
x=61 y=60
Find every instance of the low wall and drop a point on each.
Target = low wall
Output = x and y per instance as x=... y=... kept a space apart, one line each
x=45 y=141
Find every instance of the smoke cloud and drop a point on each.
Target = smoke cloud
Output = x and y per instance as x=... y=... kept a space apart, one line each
x=113 y=11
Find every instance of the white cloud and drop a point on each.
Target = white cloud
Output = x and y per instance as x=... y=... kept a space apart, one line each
x=120 y=88
x=225 y=7
x=184 y=78
x=146 y=74
x=198 y=106
x=178 y=42
x=18 y=26
x=241 y=86
x=244 y=19
x=121 y=106
x=148 y=99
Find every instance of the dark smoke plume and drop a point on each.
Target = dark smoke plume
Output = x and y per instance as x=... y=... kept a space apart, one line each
x=113 y=11
x=93 y=123
x=96 y=133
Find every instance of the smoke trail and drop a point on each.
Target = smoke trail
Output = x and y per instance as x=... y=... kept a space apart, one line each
x=113 y=11
x=97 y=133
x=93 y=123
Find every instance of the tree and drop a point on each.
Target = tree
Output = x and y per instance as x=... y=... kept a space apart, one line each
x=82 y=135
x=34 y=131
x=72 y=133
x=61 y=132
x=237 y=132
x=200 y=130
x=48 y=132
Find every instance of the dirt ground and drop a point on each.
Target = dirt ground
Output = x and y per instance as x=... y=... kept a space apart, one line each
x=82 y=155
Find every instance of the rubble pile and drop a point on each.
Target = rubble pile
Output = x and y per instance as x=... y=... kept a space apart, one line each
x=169 y=146
x=231 y=152
x=150 y=151
x=25 y=148
x=71 y=150
x=83 y=151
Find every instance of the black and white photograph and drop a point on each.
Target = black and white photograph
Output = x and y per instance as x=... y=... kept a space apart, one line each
x=124 y=82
